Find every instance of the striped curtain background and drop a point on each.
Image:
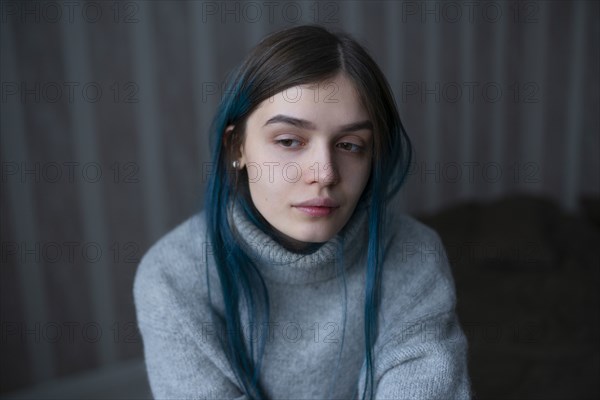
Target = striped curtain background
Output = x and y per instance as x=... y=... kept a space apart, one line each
x=105 y=108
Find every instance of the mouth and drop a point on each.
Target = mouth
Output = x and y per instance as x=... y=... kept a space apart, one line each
x=318 y=206
x=316 y=211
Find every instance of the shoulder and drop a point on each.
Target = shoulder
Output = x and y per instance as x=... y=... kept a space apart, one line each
x=403 y=226
x=173 y=267
x=416 y=268
x=412 y=240
x=176 y=250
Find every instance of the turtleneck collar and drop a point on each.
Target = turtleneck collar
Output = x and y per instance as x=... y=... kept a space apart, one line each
x=281 y=265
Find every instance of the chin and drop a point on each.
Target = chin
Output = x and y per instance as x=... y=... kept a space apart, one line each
x=319 y=239
x=320 y=236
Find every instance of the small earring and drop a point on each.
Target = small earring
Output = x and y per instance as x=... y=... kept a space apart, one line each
x=235 y=164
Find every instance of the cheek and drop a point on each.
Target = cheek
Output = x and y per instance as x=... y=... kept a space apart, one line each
x=357 y=174
x=267 y=185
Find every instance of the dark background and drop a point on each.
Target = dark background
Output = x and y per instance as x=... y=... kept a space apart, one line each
x=105 y=108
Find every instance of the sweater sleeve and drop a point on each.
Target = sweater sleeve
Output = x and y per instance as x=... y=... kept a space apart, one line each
x=421 y=350
x=429 y=362
x=181 y=361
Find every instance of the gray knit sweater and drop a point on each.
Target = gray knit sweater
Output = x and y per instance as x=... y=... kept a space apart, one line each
x=420 y=353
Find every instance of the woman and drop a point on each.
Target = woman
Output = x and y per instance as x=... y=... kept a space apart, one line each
x=295 y=281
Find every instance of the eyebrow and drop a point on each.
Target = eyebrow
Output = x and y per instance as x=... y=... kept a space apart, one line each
x=304 y=124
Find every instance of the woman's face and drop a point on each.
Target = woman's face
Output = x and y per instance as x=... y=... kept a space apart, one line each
x=307 y=151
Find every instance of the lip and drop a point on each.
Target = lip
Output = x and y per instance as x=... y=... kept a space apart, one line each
x=316 y=211
x=318 y=207
x=326 y=202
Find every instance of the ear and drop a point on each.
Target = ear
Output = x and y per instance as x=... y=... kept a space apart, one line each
x=232 y=142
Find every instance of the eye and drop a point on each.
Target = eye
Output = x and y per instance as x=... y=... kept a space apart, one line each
x=351 y=147
x=290 y=143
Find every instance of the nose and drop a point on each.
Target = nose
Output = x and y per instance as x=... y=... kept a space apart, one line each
x=321 y=167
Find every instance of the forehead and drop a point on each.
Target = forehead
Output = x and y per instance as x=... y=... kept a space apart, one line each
x=329 y=103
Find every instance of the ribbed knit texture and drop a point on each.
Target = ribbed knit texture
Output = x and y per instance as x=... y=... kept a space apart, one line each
x=420 y=352
x=284 y=266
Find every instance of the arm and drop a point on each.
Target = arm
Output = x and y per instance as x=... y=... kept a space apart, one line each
x=181 y=361
x=426 y=361
x=177 y=369
x=421 y=350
